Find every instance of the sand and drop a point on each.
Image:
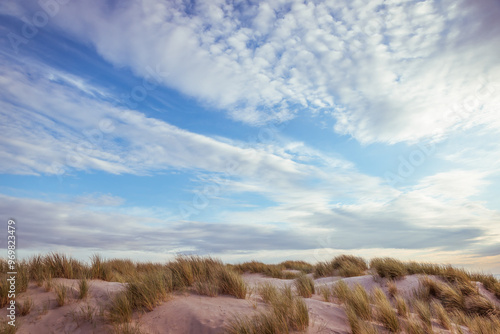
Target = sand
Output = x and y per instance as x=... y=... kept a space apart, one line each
x=185 y=312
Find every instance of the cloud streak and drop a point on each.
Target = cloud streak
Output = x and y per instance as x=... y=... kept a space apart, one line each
x=385 y=71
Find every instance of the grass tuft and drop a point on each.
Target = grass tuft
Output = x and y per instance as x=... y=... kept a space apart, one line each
x=359 y=302
x=342 y=265
x=61 y=294
x=424 y=313
x=83 y=288
x=389 y=268
x=26 y=307
x=287 y=313
x=305 y=286
x=401 y=306
x=341 y=291
x=385 y=314
x=441 y=314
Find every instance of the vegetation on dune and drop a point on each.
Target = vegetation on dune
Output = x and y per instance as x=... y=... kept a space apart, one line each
x=275 y=270
x=286 y=313
x=342 y=265
x=446 y=297
x=388 y=268
x=304 y=286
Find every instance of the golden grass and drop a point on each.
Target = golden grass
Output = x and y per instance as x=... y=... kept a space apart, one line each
x=413 y=326
x=287 y=313
x=384 y=313
x=401 y=306
x=83 y=288
x=61 y=294
x=359 y=301
x=441 y=315
x=325 y=292
x=424 y=313
x=341 y=291
x=304 y=285
x=388 y=268
x=275 y=270
x=120 y=309
x=231 y=283
x=342 y=265
x=479 y=305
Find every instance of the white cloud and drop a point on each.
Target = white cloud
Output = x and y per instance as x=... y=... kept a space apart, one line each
x=58 y=128
x=99 y=200
x=387 y=71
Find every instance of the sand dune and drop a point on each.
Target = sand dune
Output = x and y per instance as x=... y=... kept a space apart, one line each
x=187 y=312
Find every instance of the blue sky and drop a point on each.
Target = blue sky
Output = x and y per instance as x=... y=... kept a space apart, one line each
x=252 y=130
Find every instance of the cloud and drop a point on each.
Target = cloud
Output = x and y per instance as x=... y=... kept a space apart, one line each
x=99 y=200
x=44 y=225
x=42 y=137
x=386 y=71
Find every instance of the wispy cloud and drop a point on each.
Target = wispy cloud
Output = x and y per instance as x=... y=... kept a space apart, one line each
x=386 y=71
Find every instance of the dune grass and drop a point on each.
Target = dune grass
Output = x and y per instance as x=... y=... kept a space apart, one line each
x=388 y=268
x=401 y=306
x=25 y=307
x=305 y=286
x=275 y=270
x=342 y=265
x=441 y=314
x=61 y=294
x=150 y=287
x=83 y=288
x=451 y=293
x=384 y=313
x=286 y=313
x=341 y=291
x=422 y=309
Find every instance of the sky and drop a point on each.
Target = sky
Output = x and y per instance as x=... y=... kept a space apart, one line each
x=252 y=130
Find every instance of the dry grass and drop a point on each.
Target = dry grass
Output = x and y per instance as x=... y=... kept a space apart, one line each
x=424 y=313
x=304 y=285
x=384 y=313
x=287 y=313
x=231 y=283
x=83 y=288
x=359 y=301
x=268 y=292
x=341 y=291
x=453 y=293
x=209 y=288
x=4 y=291
x=401 y=306
x=325 y=292
x=441 y=315
x=275 y=270
x=26 y=307
x=484 y=325
x=5 y=328
x=481 y=306
x=388 y=268
x=342 y=265
x=61 y=294
x=392 y=288
x=120 y=309
x=414 y=326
